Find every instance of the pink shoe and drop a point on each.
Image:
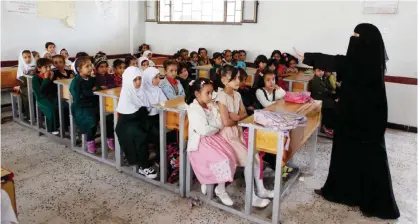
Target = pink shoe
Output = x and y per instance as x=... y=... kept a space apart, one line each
x=111 y=143
x=91 y=147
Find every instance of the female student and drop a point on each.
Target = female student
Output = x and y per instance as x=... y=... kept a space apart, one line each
x=119 y=68
x=131 y=61
x=26 y=66
x=184 y=54
x=103 y=78
x=227 y=57
x=211 y=156
x=171 y=87
x=194 y=61
x=132 y=128
x=281 y=67
x=291 y=63
x=232 y=110
x=148 y=54
x=143 y=63
x=268 y=93
x=85 y=107
x=65 y=54
x=61 y=72
x=203 y=56
x=46 y=94
x=261 y=63
x=183 y=77
x=217 y=64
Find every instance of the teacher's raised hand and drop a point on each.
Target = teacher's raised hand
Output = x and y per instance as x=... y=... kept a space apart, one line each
x=299 y=54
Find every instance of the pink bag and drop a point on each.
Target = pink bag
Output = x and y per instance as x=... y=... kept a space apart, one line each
x=297 y=97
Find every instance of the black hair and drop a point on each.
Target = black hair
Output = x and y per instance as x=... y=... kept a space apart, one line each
x=49 y=44
x=58 y=56
x=290 y=58
x=181 y=51
x=276 y=52
x=266 y=71
x=242 y=51
x=81 y=61
x=176 y=56
x=260 y=59
x=129 y=58
x=43 y=62
x=201 y=49
x=26 y=52
x=217 y=55
x=168 y=63
x=196 y=87
x=63 y=50
x=181 y=66
x=226 y=51
x=81 y=54
x=242 y=74
x=224 y=72
x=272 y=61
x=141 y=47
x=193 y=53
x=117 y=62
x=35 y=53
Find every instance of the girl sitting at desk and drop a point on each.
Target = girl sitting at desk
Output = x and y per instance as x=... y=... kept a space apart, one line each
x=232 y=110
x=26 y=66
x=85 y=105
x=171 y=87
x=103 y=78
x=268 y=93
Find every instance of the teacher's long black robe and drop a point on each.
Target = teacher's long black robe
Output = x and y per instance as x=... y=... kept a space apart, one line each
x=359 y=171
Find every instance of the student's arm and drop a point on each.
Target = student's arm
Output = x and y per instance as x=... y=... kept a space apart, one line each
x=330 y=62
x=242 y=111
x=181 y=89
x=201 y=124
x=226 y=120
x=168 y=90
x=280 y=93
x=262 y=99
x=36 y=86
x=75 y=92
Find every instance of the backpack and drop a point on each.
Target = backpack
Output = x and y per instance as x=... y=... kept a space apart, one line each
x=173 y=161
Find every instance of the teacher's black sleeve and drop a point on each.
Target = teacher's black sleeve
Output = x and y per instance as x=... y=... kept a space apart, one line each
x=332 y=63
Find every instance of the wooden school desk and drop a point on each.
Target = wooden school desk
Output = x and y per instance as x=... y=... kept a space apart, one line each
x=108 y=102
x=8 y=77
x=298 y=82
x=265 y=139
x=63 y=94
x=173 y=116
x=158 y=60
x=203 y=72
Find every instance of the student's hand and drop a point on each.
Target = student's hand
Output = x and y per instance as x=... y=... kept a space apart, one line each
x=234 y=116
x=338 y=84
x=94 y=88
x=103 y=87
x=250 y=108
x=336 y=100
x=51 y=75
x=299 y=54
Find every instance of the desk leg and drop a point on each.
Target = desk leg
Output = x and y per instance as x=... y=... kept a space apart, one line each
x=305 y=86
x=189 y=176
x=249 y=172
x=30 y=100
x=277 y=179
x=72 y=126
x=103 y=127
x=182 y=155
x=163 y=147
x=20 y=108
x=38 y=118
x=118 y=153
x=61 y=111
x=313 y=139
x=290 y=86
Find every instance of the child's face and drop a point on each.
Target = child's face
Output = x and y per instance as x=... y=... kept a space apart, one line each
x=156 y=80
x=234 y=84
x=292 y=64
x=102 y=69
x=59 y=63
x=319 y=72
x=269 y=81
x=205 y=94
x=120 y=69
x=36 y=56
x=327 y=74
x=184 y=73
x=236 y=57
x=195 y=58
x=86 y=69
x=133 y=62
x=27 y=57
x=137 y=82
x=242 y=84
x=228 y=56
x=262 y=65
x=242 y=56
x=185 y=55
x=203 y=53
x=48 y=55
x=218 y=60
x=179 y=59
x=171 y=71
x=272 y=67
x=145 y=47
x=45 y=69
x=51 y=48
x=149 y=56
x=144 y=64
x=64 y=54
x=277 y=56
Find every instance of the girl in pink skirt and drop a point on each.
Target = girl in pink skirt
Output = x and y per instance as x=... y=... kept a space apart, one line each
x=232 y=110
x=212 y=158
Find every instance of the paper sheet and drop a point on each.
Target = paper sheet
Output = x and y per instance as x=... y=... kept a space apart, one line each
x=107 y=9
x=64 y=10
x=380 y=7
x=21 y=7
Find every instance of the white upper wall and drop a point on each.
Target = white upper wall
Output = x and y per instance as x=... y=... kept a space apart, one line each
x=323 y=26
x=91 y=33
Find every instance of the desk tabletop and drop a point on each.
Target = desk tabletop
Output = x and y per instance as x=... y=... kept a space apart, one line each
x=113 y=93
x=299 y=77
x=9 y=69
x=176 y=104
x=203 y=67
x=64 y=82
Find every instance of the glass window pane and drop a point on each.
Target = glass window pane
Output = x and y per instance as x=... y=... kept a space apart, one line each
x=187 y=1
x=177 y=5
x=238 y=16
x=187 y=9
x=218 y=16
x=207 y=9
x=176 y=16
x=218 y=5
x=238 y=5
x=230 y=19
x=207 y=18
x=197 y=5
x=196 y=16
x=230 y=8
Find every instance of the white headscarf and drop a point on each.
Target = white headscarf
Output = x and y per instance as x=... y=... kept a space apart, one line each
x=131 y=98
x=140 y=60
x=145 y=54
x=153 y=93
x=23 y=68
x=73 y=67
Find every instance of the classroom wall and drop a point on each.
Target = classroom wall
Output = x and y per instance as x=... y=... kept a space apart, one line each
x=324 y=26
x=91 y=33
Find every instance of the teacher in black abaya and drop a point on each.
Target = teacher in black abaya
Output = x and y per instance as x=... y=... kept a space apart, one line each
x=359 y=171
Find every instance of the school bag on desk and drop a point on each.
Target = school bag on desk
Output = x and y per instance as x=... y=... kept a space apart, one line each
x=298 y=97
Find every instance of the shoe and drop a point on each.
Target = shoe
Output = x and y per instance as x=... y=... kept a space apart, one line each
x=318 y=192
x=55 y=132
x=148 y=172
x=226 y=200
x=260 y=202
x=265 y=193
x=91 y=147
x=204 y=188
x=111 y=143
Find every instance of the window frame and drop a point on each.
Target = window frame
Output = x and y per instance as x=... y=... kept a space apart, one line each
x=157 y=13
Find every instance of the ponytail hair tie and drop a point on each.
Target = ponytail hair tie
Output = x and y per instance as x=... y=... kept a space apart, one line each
x=191 y=82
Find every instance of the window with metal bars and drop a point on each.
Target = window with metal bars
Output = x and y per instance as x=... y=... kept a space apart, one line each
x=201 y=11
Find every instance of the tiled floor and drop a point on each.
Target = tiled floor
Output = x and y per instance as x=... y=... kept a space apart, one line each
x=57 y=186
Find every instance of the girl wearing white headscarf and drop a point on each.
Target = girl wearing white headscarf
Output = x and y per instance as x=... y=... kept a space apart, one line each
x=143 y=63
x=152 y=91
x=134 y=129
x=148 y=54
x=26 y=66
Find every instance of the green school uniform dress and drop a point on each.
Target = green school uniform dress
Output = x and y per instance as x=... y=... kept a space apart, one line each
x=46 y=94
